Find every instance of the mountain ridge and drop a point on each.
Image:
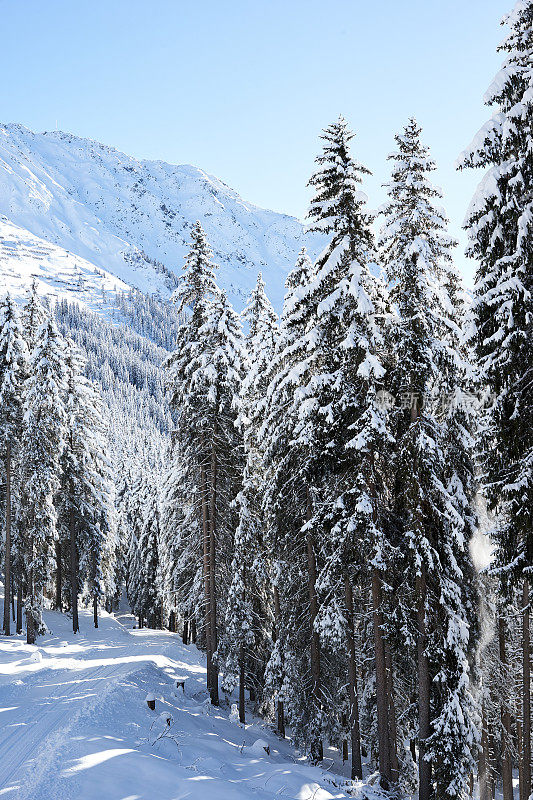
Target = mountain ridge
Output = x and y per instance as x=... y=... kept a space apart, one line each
x=132 y=217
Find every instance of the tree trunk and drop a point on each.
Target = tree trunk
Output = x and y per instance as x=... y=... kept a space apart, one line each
x=212 y=562
x=344 y=747
x=7 y=569
x=30 y=594
x=317 y=752
x=185 y=634
x=355 y=735
x=242 y=709
x=492 y=768
x=30 y=620
x=59 y=578
x=393 y=742
x=520 y=753
x=95 y=611
x=526 y=699
x=73 y=571
x=207 y=583
x=277 y=627
x=13 y=615
x=424 y=767
x=484 y=761
x=19 y=601
x=30 y=629
x=506 y=721
x=381 y=684
x=193 y=631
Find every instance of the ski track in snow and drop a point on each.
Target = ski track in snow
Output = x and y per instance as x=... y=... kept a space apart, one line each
x=74 y=724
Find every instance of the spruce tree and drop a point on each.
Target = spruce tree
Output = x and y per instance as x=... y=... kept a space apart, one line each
x=282 y=491
x=432 y=480
x=204 y=375
x=150 y=598
x=500 y=229
x=13 y=356
x=85 y=500
x=340 y=427
x=246 y=637
x=43 y=437
x=322 y=416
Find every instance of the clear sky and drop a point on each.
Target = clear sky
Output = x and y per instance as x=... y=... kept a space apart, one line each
x=242 y=88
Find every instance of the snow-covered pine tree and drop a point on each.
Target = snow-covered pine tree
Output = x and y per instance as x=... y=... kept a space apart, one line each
x=43 y=437
x=13 y=357
x=323 y=387
x=150 y=597
x=132 y=518
x=33 y=316
x=500 y=229
x=280 y=494
x=432 y=480
x=85 y=501
x=204 y=376
x=181 y=553
x=340 y=423
x=247 y=631
x=291 y=674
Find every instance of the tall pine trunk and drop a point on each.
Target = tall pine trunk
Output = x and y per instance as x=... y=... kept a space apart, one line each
x=19 y=598
x=317 y=752
x=424 y=719
x=212 y=562
x=73 y=571
x=277 y=628
x=393 y=742
x=526 y=697
x=59 y=577
x=484 y=759
x=355 y=735
x=519 y=748
x=95 y=611
x=242 y=674
x=382 y=702
x=7 y=570
x=30 y=596
x=506 y=721
x=206 y=538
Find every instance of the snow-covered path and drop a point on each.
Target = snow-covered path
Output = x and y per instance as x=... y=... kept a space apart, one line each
x=74 y=725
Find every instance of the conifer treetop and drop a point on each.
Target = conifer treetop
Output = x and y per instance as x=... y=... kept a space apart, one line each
x=13 y=358
x=337 y=208
x=198 y=280
x=259 y=313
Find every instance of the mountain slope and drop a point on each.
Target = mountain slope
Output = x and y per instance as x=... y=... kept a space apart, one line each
x=129 y=217
x=59 y=274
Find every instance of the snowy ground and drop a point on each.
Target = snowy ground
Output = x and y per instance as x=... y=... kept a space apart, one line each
x=74 y=724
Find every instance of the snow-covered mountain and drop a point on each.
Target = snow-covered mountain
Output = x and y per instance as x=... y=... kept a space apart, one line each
x=58 y=273
x=132 y=218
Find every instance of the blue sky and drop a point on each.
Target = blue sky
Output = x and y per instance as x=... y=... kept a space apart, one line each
x=243 y=88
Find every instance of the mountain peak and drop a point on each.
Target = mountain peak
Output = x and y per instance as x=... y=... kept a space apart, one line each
x=133 y=217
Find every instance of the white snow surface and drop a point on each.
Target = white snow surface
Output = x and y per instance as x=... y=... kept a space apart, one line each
x=58 y=274
x=75 y=724
x=111 y=209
